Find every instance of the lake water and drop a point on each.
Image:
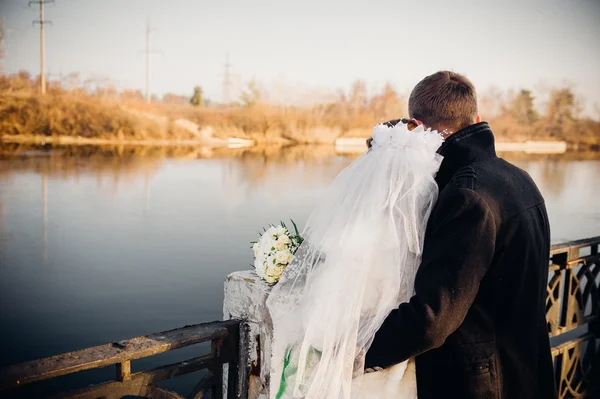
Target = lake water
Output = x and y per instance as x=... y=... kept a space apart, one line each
x=99 y=245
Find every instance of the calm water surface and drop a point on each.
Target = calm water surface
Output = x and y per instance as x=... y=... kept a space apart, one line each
x=103 y=245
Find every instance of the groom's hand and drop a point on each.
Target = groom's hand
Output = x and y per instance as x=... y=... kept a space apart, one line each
x=372 y=370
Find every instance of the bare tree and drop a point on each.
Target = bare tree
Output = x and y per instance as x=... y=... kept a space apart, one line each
x=387 y=105
x=252 y=95
x=522 y=108
x=562 y=106
x=358 y=98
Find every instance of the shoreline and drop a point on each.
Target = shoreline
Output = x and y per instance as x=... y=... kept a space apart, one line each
x=353 y=144
x=343 y=145
x=68 y=140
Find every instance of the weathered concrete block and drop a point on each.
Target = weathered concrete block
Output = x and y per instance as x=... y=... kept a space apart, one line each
x=245 y=298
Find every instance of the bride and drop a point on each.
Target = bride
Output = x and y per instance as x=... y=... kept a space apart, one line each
x=358 y=262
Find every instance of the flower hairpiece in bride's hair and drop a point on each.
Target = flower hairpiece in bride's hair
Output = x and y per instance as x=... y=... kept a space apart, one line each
x=408 y=122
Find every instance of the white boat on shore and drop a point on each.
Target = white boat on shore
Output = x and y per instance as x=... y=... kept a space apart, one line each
x=534 y=147
x=239 y=143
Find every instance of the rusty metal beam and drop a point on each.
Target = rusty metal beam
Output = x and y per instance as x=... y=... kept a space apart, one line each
x=139 y=383
x=105 y=355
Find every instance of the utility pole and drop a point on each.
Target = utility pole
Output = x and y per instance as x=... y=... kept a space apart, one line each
x=148 y=97
x=227 y=81
x=148 y=52
x=1 y=46
x=41 y=22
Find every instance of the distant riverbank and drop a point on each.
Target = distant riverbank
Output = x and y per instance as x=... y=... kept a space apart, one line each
x=82 y=117
x=78 y=140
x=356 y=145
x=342 y=145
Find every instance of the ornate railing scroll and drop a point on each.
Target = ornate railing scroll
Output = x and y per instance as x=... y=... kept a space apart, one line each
x=573 y=316
x=226 y=338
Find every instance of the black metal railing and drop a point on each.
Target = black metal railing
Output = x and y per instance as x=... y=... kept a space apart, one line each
x=573 y=316
x=226 y=337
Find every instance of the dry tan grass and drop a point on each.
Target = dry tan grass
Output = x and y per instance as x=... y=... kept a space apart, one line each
x=61 y=113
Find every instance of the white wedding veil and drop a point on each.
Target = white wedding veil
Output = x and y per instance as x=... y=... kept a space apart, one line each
x=358 y=262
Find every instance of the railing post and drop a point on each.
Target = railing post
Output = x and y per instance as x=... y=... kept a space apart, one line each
x=216 y=389
x=245 y=299
x=124 y=371
x=231 y=355
x=243 y=361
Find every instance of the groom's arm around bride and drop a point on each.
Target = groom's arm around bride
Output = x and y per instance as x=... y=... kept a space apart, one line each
x=476 y=323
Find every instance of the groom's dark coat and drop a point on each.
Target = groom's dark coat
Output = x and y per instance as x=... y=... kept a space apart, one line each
x=476 y=323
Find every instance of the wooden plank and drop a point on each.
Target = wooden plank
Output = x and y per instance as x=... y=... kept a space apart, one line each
x=105 y=355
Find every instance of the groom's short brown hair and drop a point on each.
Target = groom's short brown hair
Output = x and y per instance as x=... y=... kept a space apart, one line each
x=444 y=100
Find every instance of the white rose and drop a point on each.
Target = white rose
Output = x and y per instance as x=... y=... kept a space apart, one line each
x=279 y=245
x=283 y=257
x=278 y=271
x=284 y=239
x=269 y=277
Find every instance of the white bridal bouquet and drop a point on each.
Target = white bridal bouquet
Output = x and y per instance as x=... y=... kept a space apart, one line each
x=274 y=250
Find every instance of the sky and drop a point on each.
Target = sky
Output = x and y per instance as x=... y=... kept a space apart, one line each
x=296 y=47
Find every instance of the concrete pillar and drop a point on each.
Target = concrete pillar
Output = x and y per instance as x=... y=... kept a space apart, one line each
x=245 y=298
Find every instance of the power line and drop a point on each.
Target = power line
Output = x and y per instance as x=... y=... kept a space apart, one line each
x=42 y=22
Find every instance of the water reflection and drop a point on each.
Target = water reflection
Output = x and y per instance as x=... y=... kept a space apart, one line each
x=268 y=170
x=249 y=166
x=45 y=213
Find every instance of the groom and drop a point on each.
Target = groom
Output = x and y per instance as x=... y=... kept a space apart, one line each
x=476 y=322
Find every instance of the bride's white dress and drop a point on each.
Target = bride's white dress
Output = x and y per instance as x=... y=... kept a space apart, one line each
x=361 y=251
x=395 y=382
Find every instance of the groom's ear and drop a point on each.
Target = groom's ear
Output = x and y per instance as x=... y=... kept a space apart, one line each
x=478 y=119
